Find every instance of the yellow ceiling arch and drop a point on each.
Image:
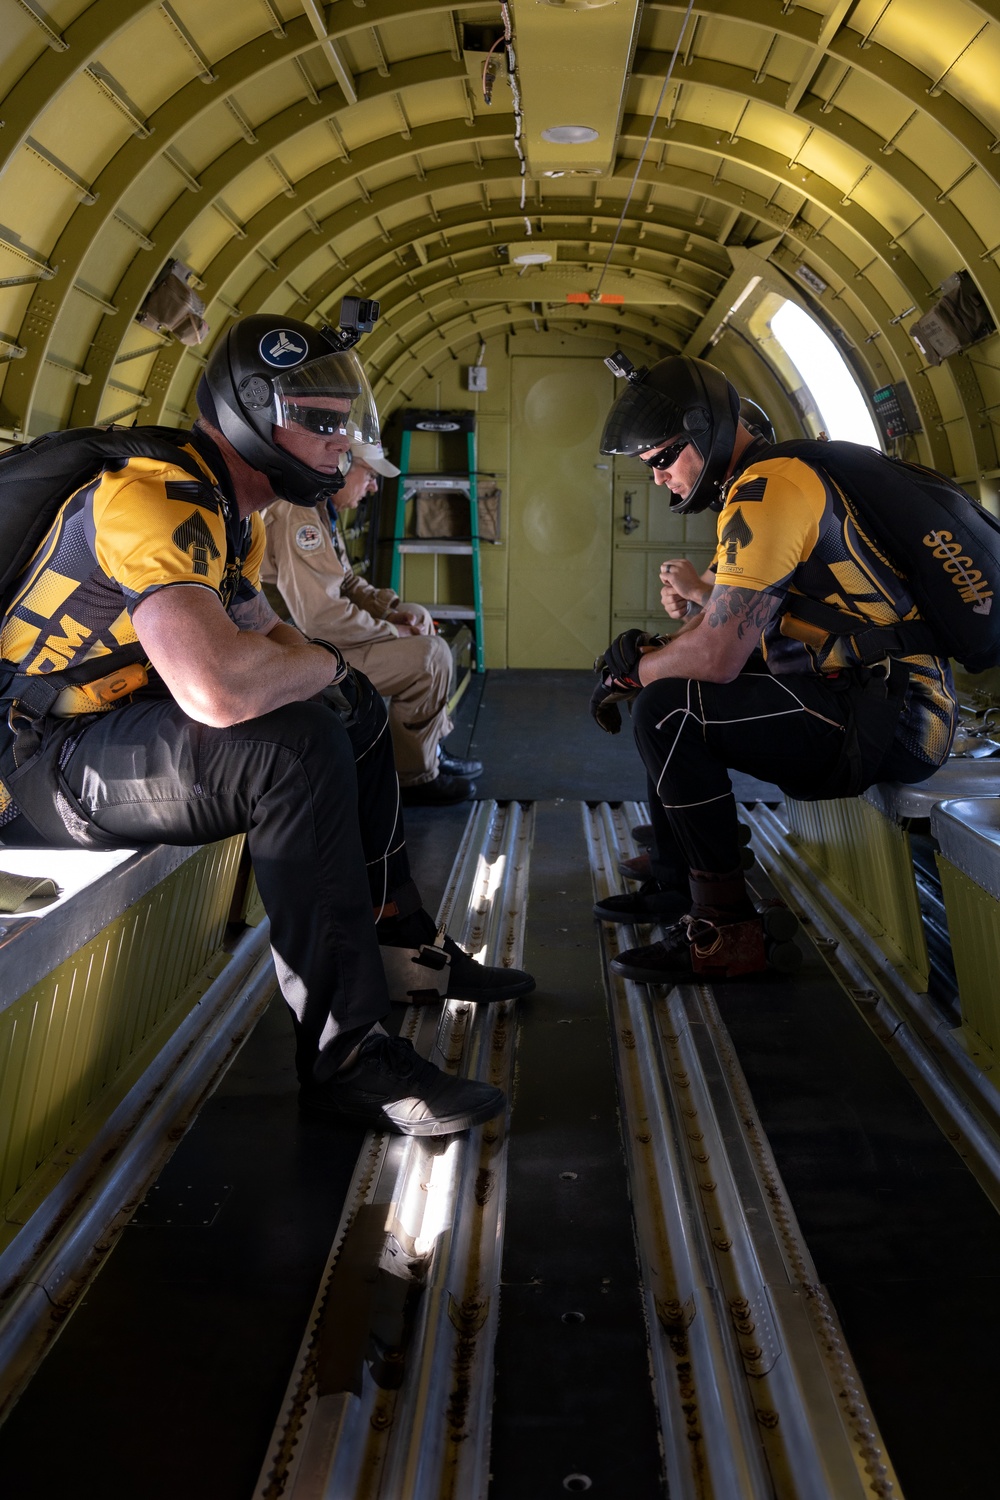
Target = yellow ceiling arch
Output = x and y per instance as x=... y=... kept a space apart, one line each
x=290 y=154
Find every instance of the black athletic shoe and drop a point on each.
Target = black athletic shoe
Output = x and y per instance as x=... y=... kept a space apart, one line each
x=652 y=902
x=441 y=792
x=391 y=1087
x=471 y=980
x=453 y=765
x=424 y=965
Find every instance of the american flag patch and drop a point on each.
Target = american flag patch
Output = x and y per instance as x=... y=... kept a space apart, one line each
x=752 y=490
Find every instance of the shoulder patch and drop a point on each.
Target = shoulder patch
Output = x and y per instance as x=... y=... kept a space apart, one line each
x=752 y=490
x=309 y=538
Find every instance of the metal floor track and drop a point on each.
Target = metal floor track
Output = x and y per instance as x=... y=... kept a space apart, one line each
x=416 y=1260
x=757 y=1392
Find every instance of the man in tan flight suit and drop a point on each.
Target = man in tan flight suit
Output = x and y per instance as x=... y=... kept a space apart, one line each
x=393 y=644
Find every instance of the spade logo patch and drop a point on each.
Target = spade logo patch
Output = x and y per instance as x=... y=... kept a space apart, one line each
x=194 y=536
x=735 y=534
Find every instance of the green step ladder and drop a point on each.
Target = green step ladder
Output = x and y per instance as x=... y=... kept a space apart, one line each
x=417 y=420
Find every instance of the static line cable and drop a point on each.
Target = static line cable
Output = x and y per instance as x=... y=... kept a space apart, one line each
x=642 y=154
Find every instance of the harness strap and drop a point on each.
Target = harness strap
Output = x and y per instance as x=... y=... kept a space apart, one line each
x=36 y=693
x=872 y=642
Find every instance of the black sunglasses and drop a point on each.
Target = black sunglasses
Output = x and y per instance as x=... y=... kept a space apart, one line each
x=316 y=419
x=667 y=456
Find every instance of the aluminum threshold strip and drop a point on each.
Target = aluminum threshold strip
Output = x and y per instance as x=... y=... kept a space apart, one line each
x=925 y=1046
x=757 y=1392
x=437 y=1209
x=63 y=1244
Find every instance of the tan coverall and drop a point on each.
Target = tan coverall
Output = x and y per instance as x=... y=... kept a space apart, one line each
x=306 y=560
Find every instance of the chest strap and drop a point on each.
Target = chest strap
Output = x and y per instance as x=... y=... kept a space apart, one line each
x=872 y=643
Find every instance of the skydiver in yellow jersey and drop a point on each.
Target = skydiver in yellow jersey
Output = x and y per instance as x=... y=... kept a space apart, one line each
x=233 y=722
x=748 y=686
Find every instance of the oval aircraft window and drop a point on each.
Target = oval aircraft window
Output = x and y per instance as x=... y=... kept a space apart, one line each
x=838 y=406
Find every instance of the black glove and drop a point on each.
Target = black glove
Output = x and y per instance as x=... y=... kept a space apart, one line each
x=621 y=660
x=604 y=701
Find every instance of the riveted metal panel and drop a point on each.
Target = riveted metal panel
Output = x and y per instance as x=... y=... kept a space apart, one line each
x=974 y=927
x=69 y=1042
x=866 y=857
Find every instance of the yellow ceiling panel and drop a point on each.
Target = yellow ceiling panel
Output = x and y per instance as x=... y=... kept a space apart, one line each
x=773 y=128
x=208 y=137
x=148 y=59
x=248 y=193
x=150 y=195
x=219 y=29
x=80 y=131
x=273 y=91
x=865 y=98
x=830 y=160
x=36 y=204
x=24 y=42
x=934 y=38
x=307 y=151
x=932 y=150
x=973 y=80
x=884 y=199
x=723 y=40
x=978 y=200
x=927 y=245
x=709 y=107
x=205 y=237
x=417 y=36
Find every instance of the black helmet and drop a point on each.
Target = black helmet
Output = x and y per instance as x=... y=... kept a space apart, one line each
x=756 y=420
x=678 y=397
x=270 y=371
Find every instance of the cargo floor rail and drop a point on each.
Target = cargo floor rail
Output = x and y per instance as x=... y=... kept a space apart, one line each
x=392 y=1390
x=757 y=1391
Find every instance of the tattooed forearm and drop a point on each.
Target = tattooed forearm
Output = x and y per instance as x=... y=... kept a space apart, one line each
x=751 y=608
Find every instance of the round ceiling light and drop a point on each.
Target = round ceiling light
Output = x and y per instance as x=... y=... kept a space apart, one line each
x=531 y=257
x=569 y=135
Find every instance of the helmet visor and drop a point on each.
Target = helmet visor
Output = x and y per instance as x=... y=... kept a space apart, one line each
x=328 y=397
x=642 y=418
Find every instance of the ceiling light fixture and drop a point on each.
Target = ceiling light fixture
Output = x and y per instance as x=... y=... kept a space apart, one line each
x=531 y=257
x=569 y=135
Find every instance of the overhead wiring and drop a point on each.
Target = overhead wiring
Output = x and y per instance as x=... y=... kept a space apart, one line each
x=518 y=117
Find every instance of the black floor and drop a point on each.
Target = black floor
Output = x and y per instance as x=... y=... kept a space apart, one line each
x=167 y=1380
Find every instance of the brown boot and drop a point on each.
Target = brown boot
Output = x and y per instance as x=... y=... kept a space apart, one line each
x=696 y=949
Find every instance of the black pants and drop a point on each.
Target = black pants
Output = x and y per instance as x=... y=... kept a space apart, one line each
x=812 y=736
x=313 y=788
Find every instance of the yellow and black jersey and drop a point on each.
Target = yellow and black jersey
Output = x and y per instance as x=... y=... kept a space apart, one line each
x=786 y=529
x=137 y=527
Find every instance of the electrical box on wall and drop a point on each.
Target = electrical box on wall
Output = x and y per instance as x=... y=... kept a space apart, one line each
x=477 y=378
x=896 y=411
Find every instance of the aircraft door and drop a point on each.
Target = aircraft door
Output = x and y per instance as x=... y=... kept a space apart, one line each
x=559 y=594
